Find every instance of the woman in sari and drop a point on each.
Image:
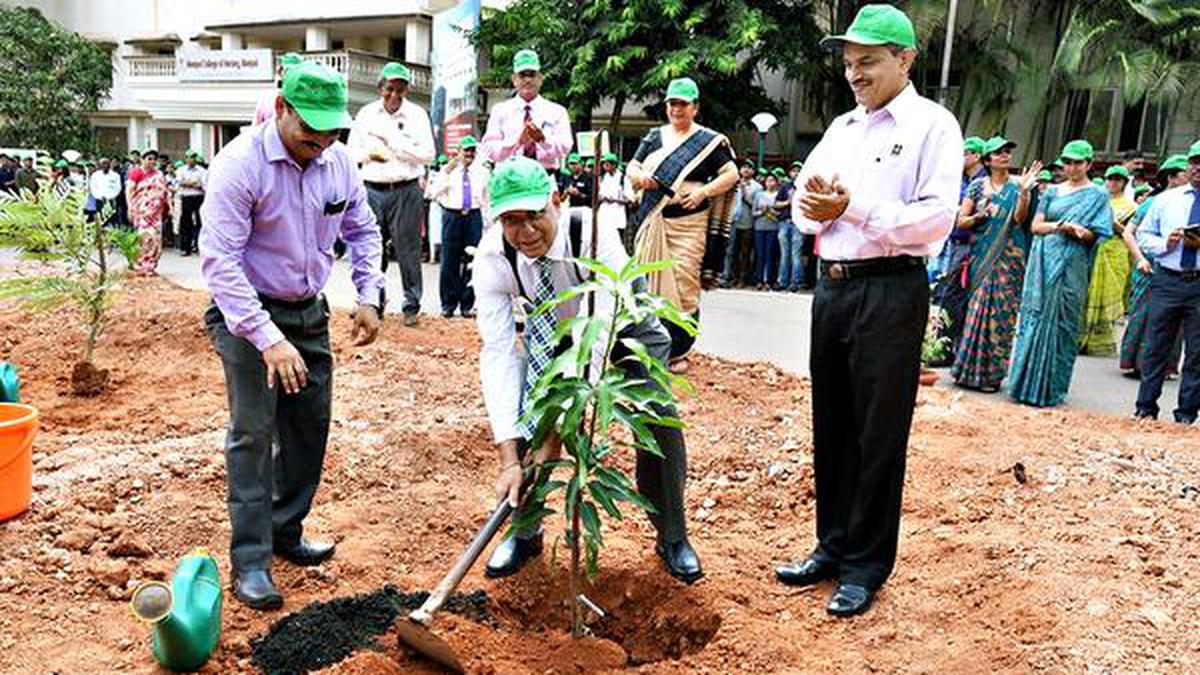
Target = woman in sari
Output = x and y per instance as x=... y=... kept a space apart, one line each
x=1071 y=218
x=994 y=209
x=686 y=174
x=1110 y=273
x=1172 y=174
x=148 y=199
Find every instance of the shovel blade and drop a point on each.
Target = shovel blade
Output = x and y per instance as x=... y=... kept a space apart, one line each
x=417 y=636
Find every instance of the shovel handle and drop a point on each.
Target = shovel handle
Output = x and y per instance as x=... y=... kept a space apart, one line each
x=465 y=561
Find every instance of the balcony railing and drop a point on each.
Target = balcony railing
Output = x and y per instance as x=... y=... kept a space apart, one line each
x=359 y=68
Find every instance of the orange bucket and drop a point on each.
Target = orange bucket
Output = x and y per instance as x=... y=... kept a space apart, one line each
x=18 y=424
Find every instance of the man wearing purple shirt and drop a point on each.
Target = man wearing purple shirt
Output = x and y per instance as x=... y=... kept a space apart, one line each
x=278 y=197
x=880 y=192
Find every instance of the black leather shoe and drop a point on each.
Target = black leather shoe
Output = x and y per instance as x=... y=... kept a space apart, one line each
x=256 y=590
x=850 y=600
x=1144 y=415
x=511 y=555
x=810 y=571
x=306 y=553
x=1185 y=419
x=681 y=560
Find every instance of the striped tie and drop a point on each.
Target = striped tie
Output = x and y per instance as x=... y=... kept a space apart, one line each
x=539 y=336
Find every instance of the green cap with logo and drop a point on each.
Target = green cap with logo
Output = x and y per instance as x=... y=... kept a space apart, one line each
x=394 y=70
x=1194 y=151
x=797 y=164
x=290 y=59
x=683 y=89
x=973 y=145
x=526 y=59
x=1118 y=171
x=1078 y=150
x=778 y=172
x=1045 y=175
x=177 y=163
x=610 y=157
x=573 y=158
x=1174 y=163
x=519 y=184
x=318 y=93
x=877 y=25
x=996 y=144
x=468 y=142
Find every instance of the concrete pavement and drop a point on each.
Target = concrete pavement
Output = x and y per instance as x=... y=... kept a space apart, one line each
x=745 y=326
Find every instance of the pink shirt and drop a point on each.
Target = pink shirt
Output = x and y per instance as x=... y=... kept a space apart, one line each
x=265 y=110
x=902 y=166
x=507 y=121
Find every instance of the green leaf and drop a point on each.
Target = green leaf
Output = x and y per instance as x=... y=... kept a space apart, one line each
x=603 y=498
x=590 y=519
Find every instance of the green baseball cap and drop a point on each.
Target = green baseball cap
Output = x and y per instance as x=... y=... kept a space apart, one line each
x=290 y=59
x=878 y=25
x=1045 y=175
x=683 y=89
x=1118 y=171
x=526 y=59
x=974 y=145
x=610 y=157
x=1141 y=189
x=61 y=164
x=573 y=158
x=997 y=143
x=1057 y=163
x=778 y=172
x=1194 y=151
x=590 y=162
x=762 y=172
x=467 y=141
x=1098 y=181
x=519 y=184
x=1078 y=150
x=177 y=163
x=1174 y=163
x=318 y=93
x=394 y=70
x=442 y=159
x=797 y=164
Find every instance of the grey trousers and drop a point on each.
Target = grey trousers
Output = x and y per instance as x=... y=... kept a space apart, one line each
x=275 y=443
x=400 y=210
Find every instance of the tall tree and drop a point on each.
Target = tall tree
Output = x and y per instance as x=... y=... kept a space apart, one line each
x=628 y=50
x=50 y=79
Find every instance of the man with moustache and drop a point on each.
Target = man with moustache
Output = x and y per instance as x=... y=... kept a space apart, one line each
x=277 y=198
x=880 y=193
x=392 y=140
x=528 y=125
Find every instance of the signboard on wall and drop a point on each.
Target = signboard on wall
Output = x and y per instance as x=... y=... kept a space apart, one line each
x=455 y=74
x=226 y=65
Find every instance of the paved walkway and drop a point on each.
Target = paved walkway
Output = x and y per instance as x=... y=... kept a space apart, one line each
x=746 y=326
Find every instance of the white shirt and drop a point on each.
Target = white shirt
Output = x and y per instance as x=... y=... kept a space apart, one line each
x=192 y=180
x=611 y=213
x=902 y=166
x=447 y=186
x=405 y=138
x=501 y=361
x=105 y=185
x=506 y=123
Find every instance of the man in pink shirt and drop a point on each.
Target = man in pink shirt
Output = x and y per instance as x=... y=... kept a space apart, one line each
x=528 y=125
x=880 y=191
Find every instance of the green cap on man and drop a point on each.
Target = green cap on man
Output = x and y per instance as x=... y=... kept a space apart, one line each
x=797 y=164
x=442 y=159
x=573 y=158
x=683 y=89
x=467 y=142
x=996 y=144
x=611 y=158
x=1045 y=176
x=1118 y=171
x=290 y=59
x=1174 y=163
x=974 y=145
x=394 y=70
x=878 y=25
x=519 y=184
x=1078 y=150
x=318 y=93
x=1141 y=190
x=1194 y=151
x=526 y=60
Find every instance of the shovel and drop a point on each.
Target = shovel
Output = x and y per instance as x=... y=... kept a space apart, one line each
x=414 y=630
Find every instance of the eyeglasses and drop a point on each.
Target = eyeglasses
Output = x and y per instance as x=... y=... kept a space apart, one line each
x=513 y=220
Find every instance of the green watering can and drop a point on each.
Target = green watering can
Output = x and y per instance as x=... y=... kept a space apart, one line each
x=186 y=615
x=10 y=383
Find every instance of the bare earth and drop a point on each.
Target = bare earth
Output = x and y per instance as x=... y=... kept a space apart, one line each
x=1089 y=567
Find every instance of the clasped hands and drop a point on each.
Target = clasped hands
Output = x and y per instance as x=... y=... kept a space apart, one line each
x=531 y=134
x=1189 y=239
x=824 y=200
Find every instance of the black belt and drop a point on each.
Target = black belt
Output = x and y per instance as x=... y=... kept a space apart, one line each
x=394 y=185
x=288 y=304
x=1190 y=275
x=844 y=270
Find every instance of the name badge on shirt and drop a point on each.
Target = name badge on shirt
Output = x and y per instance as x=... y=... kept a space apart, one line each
x=332 y=208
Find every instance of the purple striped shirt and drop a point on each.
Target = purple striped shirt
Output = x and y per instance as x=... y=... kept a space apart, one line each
x=269 y=228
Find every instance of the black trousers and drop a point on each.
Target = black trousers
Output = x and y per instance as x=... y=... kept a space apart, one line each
x=1174 y=303
x=866 y=348
x=275 y=443
x=189 y=222
x=459 y=231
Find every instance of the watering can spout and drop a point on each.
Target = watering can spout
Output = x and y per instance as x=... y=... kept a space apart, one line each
x=185 y=616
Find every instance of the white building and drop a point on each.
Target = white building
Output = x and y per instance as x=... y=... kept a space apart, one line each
x=155 y=105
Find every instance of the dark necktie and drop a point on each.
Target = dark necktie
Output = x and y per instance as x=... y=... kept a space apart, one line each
x=539 y=337
x=530 y=148
x=466 y=200
x=1187 y=260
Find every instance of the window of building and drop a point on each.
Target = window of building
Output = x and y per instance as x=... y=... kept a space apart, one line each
x=113 y=141
x=337 y=45
x=1141 y=126
x=173 y=142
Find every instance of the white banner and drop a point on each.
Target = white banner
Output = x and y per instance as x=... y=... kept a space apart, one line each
x=232 y=65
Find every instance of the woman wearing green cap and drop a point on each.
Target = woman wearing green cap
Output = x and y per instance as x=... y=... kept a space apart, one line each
x=1171 y=174
x=685 y=172
x=1071 y=218
x=994 y=213
x=1108 y=288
